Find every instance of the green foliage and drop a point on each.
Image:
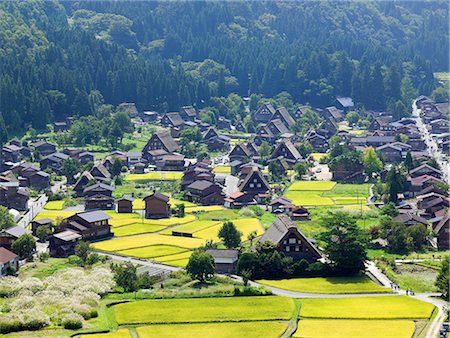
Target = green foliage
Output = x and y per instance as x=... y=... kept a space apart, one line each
x=43 y=232
x=6 y=219
x=344 y=243
x=352 y=117
x=125 y=276
x=403 y=239
x=390 y=210
x=442 y=280
x=24 y=246
x=201 y=266
x=372 y=163
x=82 y=250
x=230 y=235
x=70 y=168
x=395 y=181
x=301 y=169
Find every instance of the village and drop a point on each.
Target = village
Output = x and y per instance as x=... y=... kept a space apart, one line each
x=194 y=187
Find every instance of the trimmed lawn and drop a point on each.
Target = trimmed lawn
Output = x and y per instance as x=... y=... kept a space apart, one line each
x=270 y=329
x=156 y=176
x=139 y=241
x=191 y=227
x=360 y=284
x=389 y=307
x=312 y=185
x=54 y=205
x=121 y=333
x=152 y=251
x=193 y=310
x=225 y=169
x=136 y=228
x=355 y=328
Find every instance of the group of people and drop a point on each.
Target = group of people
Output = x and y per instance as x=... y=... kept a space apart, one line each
x=396 y=287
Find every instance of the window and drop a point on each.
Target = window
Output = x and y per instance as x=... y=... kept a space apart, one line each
x=284 y=242
x=288 y=248
x=297 y=248
x=259 y=185
x=292 y=240
x=252 y=185
x=255 y=180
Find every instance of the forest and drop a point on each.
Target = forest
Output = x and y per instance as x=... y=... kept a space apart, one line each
x=66 y=58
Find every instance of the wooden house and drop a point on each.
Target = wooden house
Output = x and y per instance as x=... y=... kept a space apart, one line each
x=125 y=204
x=442 y=230
x=288 y=239
x=41 y=222
x=288 y=151
x=254 y=183
x=85 y=178
x=188 y=113
x=264 y=113
x=225 y=260
x=8 y=236
x=241 y=153
x=90 y=225
x=160 y=141
x=63 y=244
x=333 y=113
x=173 y=120
x=9 y=262
x=205 y=193
x=345 y=103
x=13 y=197
x=410 y=218
x=100 y=173
x=44 y=148
x=157 y=206
x=53 y=162
x=283 y=115
x=277 y=127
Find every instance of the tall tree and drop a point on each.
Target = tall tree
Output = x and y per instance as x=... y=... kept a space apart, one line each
x=372 y=163
x=230 y=235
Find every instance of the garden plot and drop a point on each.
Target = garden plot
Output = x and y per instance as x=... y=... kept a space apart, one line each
x=139 y=241
x=355 y=328
x=266 y=329
x=155 y=176
x=54 y=205
x=204 y=310
x=152 y=251
x=389 y=307
x=331 y=285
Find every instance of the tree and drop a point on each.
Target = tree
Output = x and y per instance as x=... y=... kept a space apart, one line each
x=201 y=266
x=419 y=234
x=248 y=261
x=264 y=150
x=395 y=181
x=179 y=210
x=276 y=170
x=116 y=167
x=345 y=243
x=372 y=164
x=230 y=235
x=24 y=246
x=390 y=210
x=6 y=219
x=83 y=250
x=352 y=117
x=305 y=149
x=70 y=168
x=246 y=275
x=251 y=236
x=409 y=161
x=43 y=232
x=301 y=169
x=125 y=276
x=442 y=279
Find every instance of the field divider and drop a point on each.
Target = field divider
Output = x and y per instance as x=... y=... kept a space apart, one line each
x=134 y=324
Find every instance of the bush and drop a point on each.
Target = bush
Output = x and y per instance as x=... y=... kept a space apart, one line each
x=246 y=212
x=257 y=210
x=72 y=321
x=43 y=256
x=74 y=260
x=251 y=291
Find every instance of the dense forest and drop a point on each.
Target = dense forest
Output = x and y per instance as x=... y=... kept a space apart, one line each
x=68 y=58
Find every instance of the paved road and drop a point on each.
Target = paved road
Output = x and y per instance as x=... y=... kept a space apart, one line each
x=35 y=207
x=432 y=146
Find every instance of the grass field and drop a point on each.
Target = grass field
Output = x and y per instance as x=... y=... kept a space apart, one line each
x=152 y=251
x=266 y=329
x=204 y=310
x=205 y=208
x=155 y=176
x=54 y=205
x=244 y=225
x=330 y=285
x=139 y=241
x=355 y=328
x=389 y=307
x=121 y=333
x=135 y=229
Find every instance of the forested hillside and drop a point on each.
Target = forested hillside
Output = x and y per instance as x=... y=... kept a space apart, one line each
x=64 y=58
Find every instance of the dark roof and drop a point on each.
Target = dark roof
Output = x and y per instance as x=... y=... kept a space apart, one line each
x=409 y=216
x=6 y=255
x=286 y=116
x=158 y=196
x=281 y=200
x=44 y=221
x=346 y=102
x=334 y=112
x=189 y=110
x=17 y=231
x=444 y=222
x=67 y=235
x=175 y=119
x=126 y=198
x=168 y=141
x=223 y=253
x=100 y=186
x=93 y=216
x=200 y=185
x=425 y=166
x=281 y=127
x=102 y=170
x=280 y=228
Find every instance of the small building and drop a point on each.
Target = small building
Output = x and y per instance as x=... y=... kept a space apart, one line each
x=264 y=113
x=157 y=206
x=99 y=172
x=9 y=262
x=62 y=244
x=205 y=193
x=125 y=204
x=41 y=222
x=149 y=116
x=99 y=202
x=410 y=218
x=160 y=141
x=225 y=260
x=8 y=236
x=283 y=115
x=442 y=231
x=290 y=240
x=54 y=162
x=172 y=120
x=44 y=148
x=344 y=103
x=188 y=113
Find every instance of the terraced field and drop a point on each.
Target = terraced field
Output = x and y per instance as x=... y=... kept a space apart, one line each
x=54 y=205
x=155 y=176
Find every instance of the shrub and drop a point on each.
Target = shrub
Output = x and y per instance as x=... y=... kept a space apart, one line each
x=43 y=256
x=246 y=212
x=251 y=291
x=257 y=210
x=72 y=321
